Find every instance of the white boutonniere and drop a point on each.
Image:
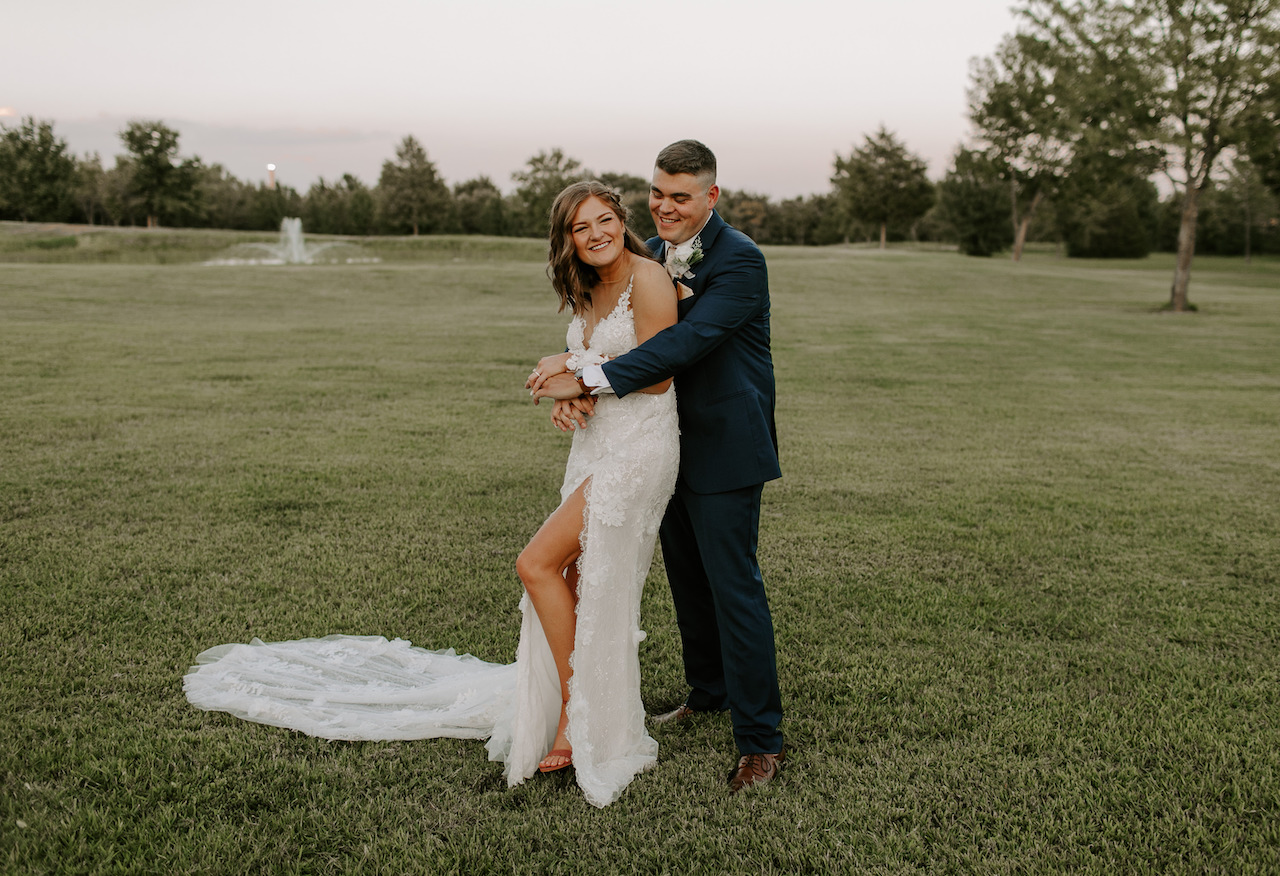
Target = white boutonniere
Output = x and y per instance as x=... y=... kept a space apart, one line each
x=680 y=259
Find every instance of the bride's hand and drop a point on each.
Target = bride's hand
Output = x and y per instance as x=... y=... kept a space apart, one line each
x=570 y=414
x=547 y=366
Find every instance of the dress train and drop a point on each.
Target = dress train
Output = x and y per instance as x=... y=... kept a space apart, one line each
x=366 y=687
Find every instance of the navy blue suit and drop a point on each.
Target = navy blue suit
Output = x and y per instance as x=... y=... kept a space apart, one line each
x=718 y=353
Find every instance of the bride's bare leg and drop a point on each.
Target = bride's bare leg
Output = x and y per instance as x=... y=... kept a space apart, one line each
x=547 y=568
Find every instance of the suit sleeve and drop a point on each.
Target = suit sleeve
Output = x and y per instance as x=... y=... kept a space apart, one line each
x=731 y=298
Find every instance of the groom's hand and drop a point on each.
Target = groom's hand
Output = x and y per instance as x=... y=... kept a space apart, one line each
x=558 y=386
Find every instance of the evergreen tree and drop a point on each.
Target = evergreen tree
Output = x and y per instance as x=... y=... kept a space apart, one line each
x=973 y=200
x=412 y=195
x=883 y=184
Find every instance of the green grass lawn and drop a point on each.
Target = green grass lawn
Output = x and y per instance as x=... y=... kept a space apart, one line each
x=1022 y=564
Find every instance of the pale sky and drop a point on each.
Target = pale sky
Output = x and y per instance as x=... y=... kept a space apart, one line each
x=319 y=88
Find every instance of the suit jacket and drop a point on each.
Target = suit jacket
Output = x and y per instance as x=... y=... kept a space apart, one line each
x=718 y=353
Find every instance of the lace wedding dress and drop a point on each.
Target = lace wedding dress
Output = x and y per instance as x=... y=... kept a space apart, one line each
x=366 y=687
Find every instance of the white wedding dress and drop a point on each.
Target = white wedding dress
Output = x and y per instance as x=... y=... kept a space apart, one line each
x=366 y=687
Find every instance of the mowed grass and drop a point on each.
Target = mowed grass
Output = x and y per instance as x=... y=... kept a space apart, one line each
x=1022 y=564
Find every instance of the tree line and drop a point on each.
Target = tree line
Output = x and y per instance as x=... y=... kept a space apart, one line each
x=151 y=184
x=880 y=192
x=1073 y=117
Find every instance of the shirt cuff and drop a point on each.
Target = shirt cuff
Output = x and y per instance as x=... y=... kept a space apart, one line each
x=596 y=382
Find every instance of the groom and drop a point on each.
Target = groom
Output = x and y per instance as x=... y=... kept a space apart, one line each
x=718 y=352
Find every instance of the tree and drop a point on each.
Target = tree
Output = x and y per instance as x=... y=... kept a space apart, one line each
x=37 y=175
x=162 y=185
x=1247 y=192
x=795 y=221
x=342 y=207
x=359 y=206
x=412 y=194
x=746 y=211
x=544 y=176
x=1214 y=61
x=268 y=207
x=480 y=206
x=883 y=184
x=228 y=201
x=1107 y=208
x=1068 y=83
x=972 y=200
x=118 y=204
x=90 y=190
x=1261 y=134
x=1182 y=77
x=1237 y=216
x=1020 y=126
x=828 y=221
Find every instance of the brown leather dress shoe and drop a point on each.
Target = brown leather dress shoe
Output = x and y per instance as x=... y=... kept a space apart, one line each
x=679 y=713
x=755 y=769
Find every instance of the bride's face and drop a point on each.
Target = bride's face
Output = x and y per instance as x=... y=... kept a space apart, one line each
x=597 y=233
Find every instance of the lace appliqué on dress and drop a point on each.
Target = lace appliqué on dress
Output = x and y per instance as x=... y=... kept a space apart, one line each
x=630 y=451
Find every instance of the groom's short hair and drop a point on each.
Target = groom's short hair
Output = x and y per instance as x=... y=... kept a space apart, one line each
x=688 y=156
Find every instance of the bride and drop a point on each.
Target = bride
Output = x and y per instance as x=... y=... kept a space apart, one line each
x=572 y=697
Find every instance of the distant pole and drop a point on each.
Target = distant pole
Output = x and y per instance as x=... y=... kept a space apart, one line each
x=271 y=176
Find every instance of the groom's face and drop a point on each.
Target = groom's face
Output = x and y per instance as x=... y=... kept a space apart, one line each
x=680 y=204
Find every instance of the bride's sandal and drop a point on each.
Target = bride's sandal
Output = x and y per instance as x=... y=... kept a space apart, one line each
x=564 y=754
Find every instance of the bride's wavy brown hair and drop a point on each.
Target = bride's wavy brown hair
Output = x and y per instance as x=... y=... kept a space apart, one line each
x=572 y=279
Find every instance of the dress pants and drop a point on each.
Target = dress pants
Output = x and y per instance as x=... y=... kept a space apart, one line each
x=709 y=549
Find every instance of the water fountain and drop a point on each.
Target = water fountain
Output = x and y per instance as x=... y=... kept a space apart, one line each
x=292 y=249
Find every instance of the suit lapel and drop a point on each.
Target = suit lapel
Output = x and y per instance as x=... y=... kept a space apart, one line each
x=707 y=236
x=711 y=230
